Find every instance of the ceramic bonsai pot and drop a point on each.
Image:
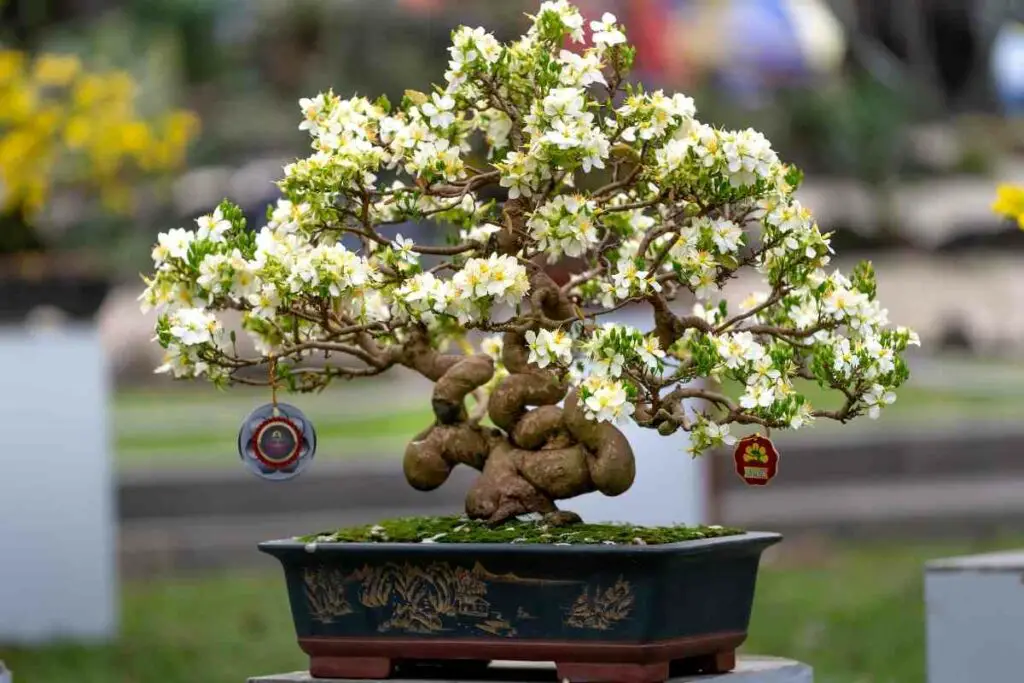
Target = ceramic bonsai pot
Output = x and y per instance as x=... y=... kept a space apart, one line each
x=602 y=613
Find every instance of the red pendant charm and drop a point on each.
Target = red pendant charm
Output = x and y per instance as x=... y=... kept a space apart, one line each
x=757 y=461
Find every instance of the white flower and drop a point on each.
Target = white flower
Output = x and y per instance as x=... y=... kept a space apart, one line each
x=564 y=103
x=876 y=397
x=479 y=233
x=748 y=157
x=580 y=70
x=605 y=33
x=498 y=276
x=912 y=338
x=172 y=244
x=440 y=111
x=762 y=370
x=175 y=363
x=804 y=315
x=609 y=402
x=565 y=225
x=630 y=281
x=650 y=352
x=212 y=227
x=568 y=15
x=727 y=236
x=846 y=358
x=753 y=300
x=738 y=348
x=882 y=357
x=802 y=417
x=243 y=276
x=311 y=110
x=192 y=326
x=403 y=248
x=711 y=315
x=470 y=44
x=211 y=274
x=287 y=217
x=719 y=433
x=418 y=288
x=757 y=396
x=841 y=303
x=492 y=346
x=547 y=347
x=265 y=302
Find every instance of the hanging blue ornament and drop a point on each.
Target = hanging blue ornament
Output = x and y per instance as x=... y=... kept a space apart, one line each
x=277 y=442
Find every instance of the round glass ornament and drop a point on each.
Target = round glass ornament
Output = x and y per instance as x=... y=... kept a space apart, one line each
x=277 y=442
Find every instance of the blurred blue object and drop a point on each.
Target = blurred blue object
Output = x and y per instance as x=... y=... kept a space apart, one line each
x=758 y=44
x=1008 y=67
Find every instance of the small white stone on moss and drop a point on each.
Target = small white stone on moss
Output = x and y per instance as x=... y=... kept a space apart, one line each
x=530 y=517
x=434 y=538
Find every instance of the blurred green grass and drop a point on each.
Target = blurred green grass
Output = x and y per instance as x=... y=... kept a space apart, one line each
x=193 y=426
x=854 y=612
x=196 y=427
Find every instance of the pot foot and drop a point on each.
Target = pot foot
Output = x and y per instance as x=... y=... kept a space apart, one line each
x=350 y=667
x=656 y=672
x=717 y=663
x=582 y=672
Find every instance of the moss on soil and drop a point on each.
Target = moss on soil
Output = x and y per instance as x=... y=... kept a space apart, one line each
x=464 y=530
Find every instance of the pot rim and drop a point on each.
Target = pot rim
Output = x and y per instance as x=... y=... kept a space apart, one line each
x=291 y=546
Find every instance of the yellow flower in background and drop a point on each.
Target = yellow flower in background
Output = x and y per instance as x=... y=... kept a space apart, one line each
x=58 y=70
x=11 y=64
x=61 y=124
x=1010 y=203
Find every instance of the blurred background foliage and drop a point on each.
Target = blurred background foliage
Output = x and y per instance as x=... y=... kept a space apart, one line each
x=838 y=91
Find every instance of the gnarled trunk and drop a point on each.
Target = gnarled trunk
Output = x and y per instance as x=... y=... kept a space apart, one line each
x=538 y=454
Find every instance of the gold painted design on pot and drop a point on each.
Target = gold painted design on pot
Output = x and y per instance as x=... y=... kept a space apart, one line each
x=417 y=598
x=601 y=609
x=325 y=594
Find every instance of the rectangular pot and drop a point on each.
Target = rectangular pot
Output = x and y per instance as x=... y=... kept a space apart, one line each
x=612 y=613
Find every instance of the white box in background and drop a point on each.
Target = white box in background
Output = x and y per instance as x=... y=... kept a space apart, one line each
x=975 y=618
x=58 y=572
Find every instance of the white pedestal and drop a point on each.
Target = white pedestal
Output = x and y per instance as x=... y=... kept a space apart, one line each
x=975 y=618
x=748 y=670
x=671 y=487
x=57 y=525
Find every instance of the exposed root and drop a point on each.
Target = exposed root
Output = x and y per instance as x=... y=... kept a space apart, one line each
x=559 y=473
x=458 y=382
x=535 y=427
x=612 y=466
x=540 y=452
x=501 y=492
x=525 y=386
x=547 y=297
x=430 y=457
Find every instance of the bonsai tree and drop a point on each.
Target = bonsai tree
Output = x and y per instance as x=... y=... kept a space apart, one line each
x=656 y=206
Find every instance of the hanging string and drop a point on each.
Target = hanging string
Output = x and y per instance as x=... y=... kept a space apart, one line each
x=272 y=369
